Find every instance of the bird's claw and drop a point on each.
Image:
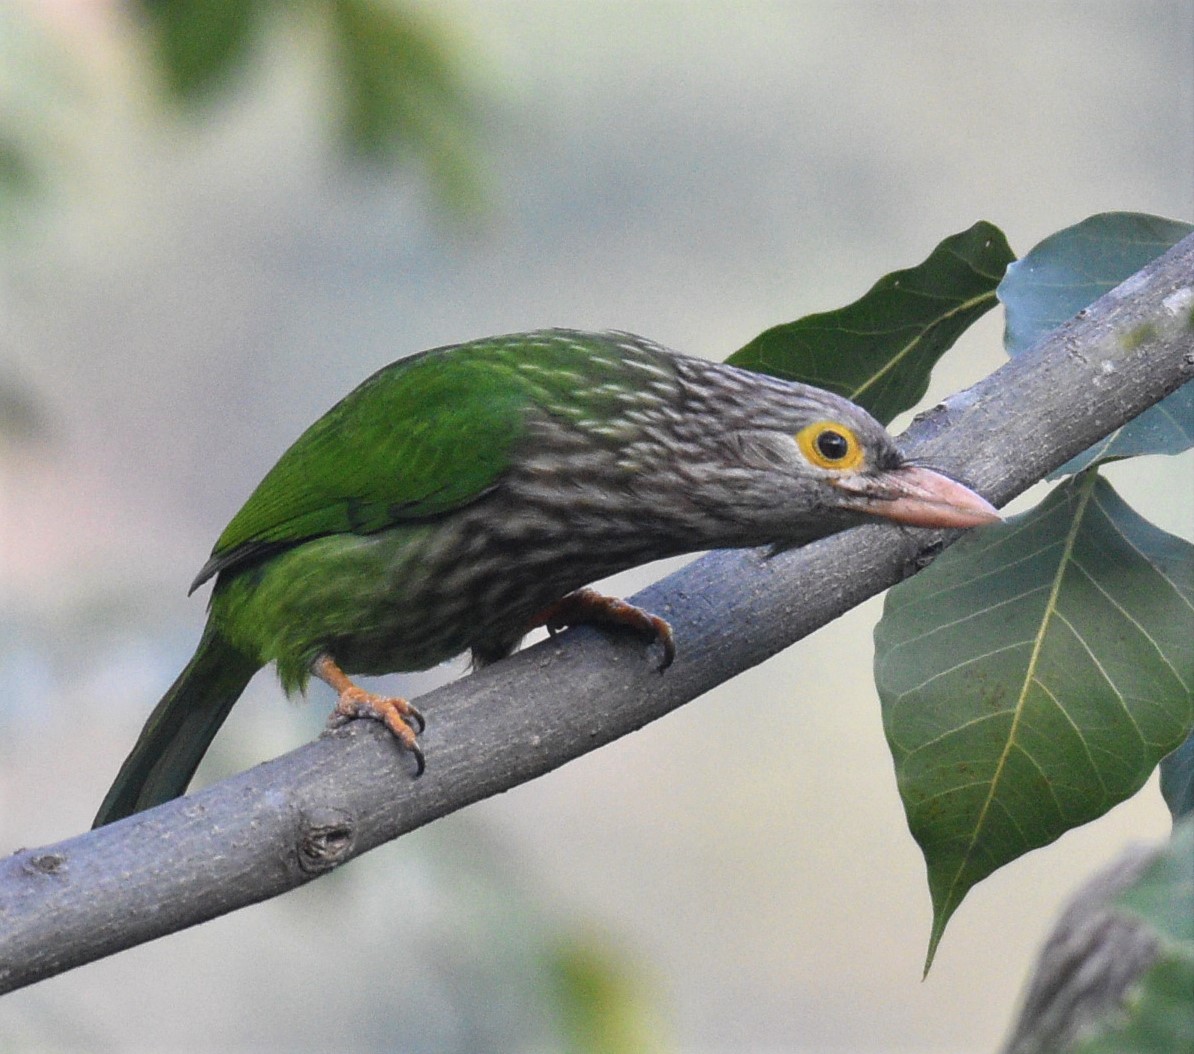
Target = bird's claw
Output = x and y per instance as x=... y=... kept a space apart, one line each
x=587 y=606
x=667 y=641
x=417 y=715
x=352 y=702
x=392 y=711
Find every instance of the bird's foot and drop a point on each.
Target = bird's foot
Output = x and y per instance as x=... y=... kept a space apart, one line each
x=588 y=607
x=392 y=711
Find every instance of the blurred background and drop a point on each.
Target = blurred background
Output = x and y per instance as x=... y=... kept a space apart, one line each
x=216 y=218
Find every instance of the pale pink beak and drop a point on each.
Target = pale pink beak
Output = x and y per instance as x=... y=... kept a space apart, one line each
x=916 y=496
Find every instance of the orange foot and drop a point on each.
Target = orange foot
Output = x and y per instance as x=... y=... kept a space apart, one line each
x=393 y=712
x=588 y=607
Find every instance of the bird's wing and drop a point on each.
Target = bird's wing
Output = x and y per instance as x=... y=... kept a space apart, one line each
x=419 y=438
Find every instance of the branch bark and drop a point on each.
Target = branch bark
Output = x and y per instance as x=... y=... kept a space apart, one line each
x=289 y=820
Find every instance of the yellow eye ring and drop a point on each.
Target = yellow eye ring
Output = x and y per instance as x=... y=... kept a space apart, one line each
x=829 y=444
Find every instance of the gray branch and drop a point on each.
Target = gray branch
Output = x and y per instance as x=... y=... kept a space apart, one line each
x=289 y=820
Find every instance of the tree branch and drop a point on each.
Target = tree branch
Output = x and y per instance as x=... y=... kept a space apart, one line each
x=291 y=819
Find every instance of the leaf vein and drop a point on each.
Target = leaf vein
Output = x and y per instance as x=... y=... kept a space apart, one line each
x=961 y=666
x=1030 y=674
x=1097 y=664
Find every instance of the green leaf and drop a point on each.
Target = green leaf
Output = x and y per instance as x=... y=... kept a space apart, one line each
x=1164 y=894
x=201 y=44
x=400 y=90
x=42 y=100
x=880 y=350
x=1070 y=270
x=1177 y=780
x=18 y=172
x=1158 y=1014
x=1032 y=678
x=395 y=81
x=603 y=1007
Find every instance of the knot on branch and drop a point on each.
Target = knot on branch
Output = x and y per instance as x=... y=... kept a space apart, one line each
x=326 y=837
x=45 y=864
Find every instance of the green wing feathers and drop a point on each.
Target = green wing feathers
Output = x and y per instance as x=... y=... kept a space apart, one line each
x=427 y=435
x=419 y=438
x=180 y=729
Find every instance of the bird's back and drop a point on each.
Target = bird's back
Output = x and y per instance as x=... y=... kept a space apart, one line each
x=431 y=433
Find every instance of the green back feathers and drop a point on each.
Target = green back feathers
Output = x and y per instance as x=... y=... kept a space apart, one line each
x=421 y=437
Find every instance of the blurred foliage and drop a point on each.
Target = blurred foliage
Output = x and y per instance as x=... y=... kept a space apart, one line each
x=22 y=419
x=1177 y=780
x=395 y=80
x=37 y=93
x=602 y=1003
x=16 y=165
x=201 y=46
x=1156 y=1016
x=393 y=75
x=400 y=89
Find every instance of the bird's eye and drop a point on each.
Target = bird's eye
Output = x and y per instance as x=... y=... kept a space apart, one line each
x=828 y=444
x=831 y=445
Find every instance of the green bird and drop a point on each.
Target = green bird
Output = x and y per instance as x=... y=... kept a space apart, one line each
x=460 y=497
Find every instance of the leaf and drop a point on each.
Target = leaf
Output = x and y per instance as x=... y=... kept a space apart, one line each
x=602 y=1006
x=1070 y=270
x=880 y=350
x=1158 y=1015
x=18 y=172
x=42 y=100
x=394 y=80
x=1164 y=894
x=201 y=44
x=1177 y=780
x=400 y=90
x=1032 y=678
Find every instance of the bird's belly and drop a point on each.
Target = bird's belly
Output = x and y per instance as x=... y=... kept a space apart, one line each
x=404 y=599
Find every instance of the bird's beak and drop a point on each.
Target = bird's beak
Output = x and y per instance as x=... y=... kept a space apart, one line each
x=916 y=496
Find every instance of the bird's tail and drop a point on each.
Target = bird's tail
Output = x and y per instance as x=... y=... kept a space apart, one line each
x=180 y=729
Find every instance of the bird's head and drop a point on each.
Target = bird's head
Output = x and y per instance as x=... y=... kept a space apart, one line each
x=800 y=463
x=860 y=470
x=671 y=453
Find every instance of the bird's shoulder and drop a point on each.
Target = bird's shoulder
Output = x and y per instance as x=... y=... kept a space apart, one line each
x=425 y=435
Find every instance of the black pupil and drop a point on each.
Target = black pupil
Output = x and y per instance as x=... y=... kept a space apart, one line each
x=832 y=446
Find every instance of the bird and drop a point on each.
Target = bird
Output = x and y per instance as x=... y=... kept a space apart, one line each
x=460 y=497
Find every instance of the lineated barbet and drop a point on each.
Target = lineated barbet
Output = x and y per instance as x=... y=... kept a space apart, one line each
x=458 y=498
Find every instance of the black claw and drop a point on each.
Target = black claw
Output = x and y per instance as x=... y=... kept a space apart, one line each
x=420 y=761
x=412 y=712
x=668 y=643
